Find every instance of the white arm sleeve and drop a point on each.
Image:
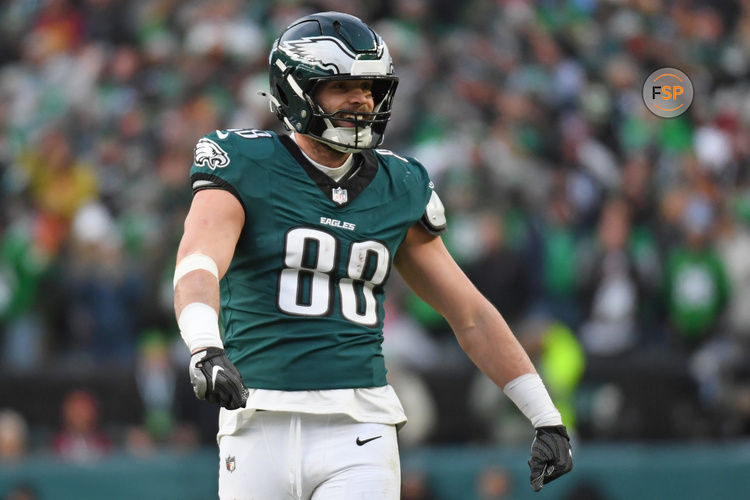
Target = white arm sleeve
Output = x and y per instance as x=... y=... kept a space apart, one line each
x=531 y=397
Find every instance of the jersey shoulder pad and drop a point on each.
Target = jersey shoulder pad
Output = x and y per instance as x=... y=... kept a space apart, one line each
x=221 y=158
x=391 y=158
x=250 y=143
x=431 y=208
x=410 y=165
x=387 y=153
x=218 y=149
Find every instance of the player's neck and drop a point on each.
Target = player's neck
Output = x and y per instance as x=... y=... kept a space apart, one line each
x=320 y=152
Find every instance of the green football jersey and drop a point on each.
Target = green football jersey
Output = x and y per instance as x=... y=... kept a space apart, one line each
x=302 y=300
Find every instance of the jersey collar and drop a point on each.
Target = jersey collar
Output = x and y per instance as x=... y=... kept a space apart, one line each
x=343 y=192
x=335 y=173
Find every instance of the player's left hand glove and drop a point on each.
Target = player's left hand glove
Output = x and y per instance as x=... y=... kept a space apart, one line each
x=551 y=455
x=216 y=379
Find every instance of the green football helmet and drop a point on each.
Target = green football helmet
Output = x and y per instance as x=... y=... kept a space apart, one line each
x=323 y=47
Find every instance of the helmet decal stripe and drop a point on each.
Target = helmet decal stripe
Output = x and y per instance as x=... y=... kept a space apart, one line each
x=295 y=87
x=360 y=67
x=330 y=54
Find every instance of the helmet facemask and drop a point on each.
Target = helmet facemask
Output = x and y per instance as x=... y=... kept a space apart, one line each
x=368 y=127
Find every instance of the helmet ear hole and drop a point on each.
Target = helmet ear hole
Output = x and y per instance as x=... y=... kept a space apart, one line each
x=282 y=96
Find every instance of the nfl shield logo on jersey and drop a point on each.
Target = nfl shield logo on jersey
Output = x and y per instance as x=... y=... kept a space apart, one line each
x=339 y=196
x=231 y=464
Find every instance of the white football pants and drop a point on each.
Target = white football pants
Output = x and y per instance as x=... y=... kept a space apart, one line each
x=301 y=456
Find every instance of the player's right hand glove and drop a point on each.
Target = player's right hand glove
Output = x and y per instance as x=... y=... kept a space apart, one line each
x=551 y=456
x=216 y=379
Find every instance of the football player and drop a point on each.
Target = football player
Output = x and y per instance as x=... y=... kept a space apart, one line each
x=290 y=240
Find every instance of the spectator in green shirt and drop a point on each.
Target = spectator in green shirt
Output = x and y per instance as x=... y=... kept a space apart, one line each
x=696 y=286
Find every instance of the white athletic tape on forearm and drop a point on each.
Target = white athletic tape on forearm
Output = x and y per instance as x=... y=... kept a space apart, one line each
x=193 y=262
x=199 y=326
x=531 y=397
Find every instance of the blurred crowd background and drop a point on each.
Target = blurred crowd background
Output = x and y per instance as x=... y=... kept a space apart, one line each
x=614 y=242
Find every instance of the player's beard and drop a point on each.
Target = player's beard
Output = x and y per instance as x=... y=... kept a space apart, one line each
x=324 y=153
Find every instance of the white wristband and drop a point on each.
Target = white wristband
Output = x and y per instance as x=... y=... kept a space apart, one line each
x=531 y=397
x=199 y=326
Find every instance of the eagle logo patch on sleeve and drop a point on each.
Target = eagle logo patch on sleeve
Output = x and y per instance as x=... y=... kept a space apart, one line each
x=209 y=154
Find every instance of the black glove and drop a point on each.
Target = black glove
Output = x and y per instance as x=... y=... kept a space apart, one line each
x=216 y=379
x=551 y=456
